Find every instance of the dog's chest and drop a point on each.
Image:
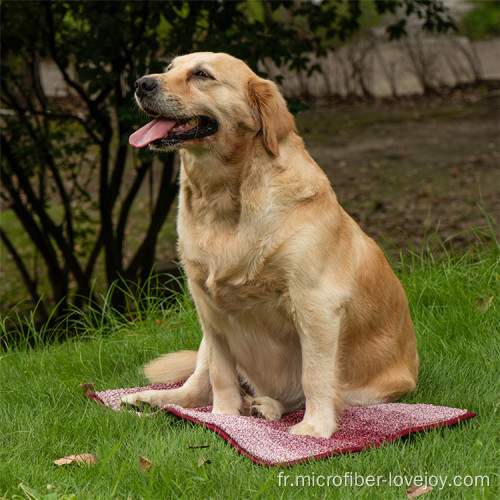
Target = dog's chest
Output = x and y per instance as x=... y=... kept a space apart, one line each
x=238 y=295
x=232 y=276
x=231 y=291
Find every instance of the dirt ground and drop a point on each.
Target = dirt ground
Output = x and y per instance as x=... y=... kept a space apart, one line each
x=408 y=167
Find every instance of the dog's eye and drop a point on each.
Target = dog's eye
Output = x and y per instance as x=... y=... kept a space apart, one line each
x=199 y=73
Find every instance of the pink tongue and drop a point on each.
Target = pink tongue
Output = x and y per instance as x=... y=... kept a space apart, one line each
x=157 y=129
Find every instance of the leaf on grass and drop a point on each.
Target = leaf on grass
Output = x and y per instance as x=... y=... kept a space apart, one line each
x=88 y=389
x=415 y=491
x=84 y=459
x=145 y=464
x=197 y=447
x=202 y=461
x=484 y=303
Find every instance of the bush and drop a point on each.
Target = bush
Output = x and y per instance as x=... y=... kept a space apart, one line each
x=482 y=22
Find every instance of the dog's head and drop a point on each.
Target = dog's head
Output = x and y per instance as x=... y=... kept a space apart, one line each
x=205 y=99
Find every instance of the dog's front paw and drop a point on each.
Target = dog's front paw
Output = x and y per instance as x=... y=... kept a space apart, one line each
x=316 y=430
x=142 y=398
x=263 y=407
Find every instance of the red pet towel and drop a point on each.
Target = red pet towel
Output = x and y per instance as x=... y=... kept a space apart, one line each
x=268 y=442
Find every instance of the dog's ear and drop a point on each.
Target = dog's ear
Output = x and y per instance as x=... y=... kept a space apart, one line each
x=276 y=121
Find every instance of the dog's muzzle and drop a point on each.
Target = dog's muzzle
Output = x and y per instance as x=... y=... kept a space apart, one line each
x=146 y=87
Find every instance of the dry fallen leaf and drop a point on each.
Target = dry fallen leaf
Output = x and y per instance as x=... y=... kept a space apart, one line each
x=84 y=459
x=202 y=461
x=415 y=491
x=145 y=464
x=87 y=389
x=484 y=303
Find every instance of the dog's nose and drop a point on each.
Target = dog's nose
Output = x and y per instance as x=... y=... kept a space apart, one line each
x=145 y=86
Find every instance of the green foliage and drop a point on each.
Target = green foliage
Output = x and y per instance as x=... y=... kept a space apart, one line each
x=432 y=15
x=483 y=21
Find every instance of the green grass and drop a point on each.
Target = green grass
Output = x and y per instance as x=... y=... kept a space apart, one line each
x=43 y=415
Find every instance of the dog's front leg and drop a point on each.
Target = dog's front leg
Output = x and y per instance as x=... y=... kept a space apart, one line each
x=226 y=393
x=223 y=376
x=195 y=392
x=319 y=333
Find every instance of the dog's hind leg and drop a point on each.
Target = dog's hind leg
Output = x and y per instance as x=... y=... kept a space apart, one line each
x=195 y=392
x=388 y=386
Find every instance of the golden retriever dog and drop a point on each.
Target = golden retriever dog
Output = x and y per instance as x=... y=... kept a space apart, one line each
x=296 y=303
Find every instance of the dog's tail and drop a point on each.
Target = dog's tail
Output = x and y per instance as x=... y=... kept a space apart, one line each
x=171 y=367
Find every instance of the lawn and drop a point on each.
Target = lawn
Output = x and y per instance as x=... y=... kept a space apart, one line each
x=43 y=415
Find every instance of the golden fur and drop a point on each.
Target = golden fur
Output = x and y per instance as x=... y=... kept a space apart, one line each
x=293 y=298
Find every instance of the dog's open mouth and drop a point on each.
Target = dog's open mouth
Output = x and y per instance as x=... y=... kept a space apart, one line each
x=168 y=133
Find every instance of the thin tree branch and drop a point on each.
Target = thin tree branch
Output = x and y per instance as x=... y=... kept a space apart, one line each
x=48 y=224
x=55 y=56
x=30 y=283
x=127 y=204
x=39 y=237
x=166 y=195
